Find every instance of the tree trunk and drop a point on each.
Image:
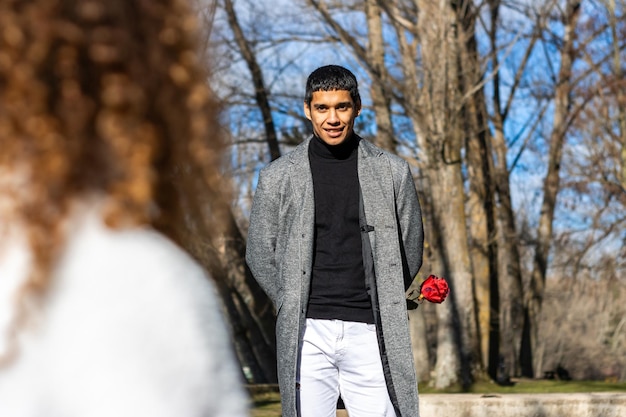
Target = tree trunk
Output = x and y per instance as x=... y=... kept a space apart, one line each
x=419 y=342
x=543 y=243
x=250 y=311
x=619 y=90
x=260 y=92
x=509 y=264
x=433 y=263
x=482 y=229
x=447 y=368
x=255 y=310
x=380 y=96
x=443 y=145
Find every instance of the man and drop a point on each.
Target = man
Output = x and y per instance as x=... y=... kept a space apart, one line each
x=335 y=240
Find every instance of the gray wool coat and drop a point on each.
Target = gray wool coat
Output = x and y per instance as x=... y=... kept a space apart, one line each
x=280 y=250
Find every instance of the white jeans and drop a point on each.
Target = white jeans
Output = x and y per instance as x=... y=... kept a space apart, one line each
x=341 y=357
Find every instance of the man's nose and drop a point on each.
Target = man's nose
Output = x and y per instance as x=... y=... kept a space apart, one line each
x=332 y=116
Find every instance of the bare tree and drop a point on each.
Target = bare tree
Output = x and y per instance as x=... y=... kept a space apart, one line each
x=442 y=143
x=562 y=118
x=509 y=265
x=585 y=267
x=381 y=96
x=260 y=91
x=598 y=327
x=618 y=85
x=249 y=311
x=480 y=192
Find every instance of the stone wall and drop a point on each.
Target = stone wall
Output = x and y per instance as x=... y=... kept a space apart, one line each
x=523 y=405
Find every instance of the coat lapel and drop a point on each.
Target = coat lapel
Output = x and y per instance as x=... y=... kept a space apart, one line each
x=376 y=188
x=302 y=185
x=302 y=191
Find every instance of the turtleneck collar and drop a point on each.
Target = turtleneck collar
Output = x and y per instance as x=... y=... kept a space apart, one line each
x=344 y=150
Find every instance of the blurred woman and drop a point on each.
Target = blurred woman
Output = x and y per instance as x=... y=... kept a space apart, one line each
x=108 y=148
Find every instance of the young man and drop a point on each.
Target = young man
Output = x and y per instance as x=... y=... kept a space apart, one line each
x=335 y=240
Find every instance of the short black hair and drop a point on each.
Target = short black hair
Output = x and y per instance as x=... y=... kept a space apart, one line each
x=331 y=78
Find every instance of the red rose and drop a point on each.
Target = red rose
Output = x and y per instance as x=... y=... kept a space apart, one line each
x=434 y=289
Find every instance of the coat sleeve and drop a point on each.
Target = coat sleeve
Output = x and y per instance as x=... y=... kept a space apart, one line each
x=261 y=246
x=410 y=226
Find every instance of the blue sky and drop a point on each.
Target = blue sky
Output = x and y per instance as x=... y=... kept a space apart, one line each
x=288 y=54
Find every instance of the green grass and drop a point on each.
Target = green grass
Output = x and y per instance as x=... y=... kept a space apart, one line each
x=267 y=404
x=531 y=386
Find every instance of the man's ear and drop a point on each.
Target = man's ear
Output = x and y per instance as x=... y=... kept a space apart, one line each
x=307 y=110
x=358 y=108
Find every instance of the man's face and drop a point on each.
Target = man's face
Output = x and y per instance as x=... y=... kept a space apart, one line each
x=332 y=114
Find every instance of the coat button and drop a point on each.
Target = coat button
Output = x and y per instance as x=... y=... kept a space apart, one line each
x=303 y=272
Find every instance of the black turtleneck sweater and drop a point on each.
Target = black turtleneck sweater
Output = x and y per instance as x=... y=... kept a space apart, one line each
x=338 y=279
